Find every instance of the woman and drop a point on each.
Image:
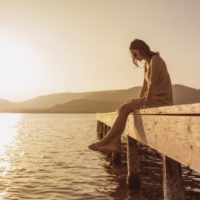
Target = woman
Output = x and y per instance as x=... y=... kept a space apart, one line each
x=156 y=91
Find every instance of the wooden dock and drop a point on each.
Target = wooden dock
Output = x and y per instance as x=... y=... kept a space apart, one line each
x=173 y=131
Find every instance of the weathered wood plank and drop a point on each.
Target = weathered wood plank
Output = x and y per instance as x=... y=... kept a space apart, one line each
x=175 y=109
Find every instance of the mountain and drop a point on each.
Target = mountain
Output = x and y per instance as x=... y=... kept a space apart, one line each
x=101 y=101
x=185 y=95
x=7 y=106
x=115 y=95
x=86 y=106
x=48 y=101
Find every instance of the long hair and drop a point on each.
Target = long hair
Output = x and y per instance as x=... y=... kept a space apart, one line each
x=143 y=48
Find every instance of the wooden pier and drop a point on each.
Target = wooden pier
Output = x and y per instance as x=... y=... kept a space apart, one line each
x=173 y=131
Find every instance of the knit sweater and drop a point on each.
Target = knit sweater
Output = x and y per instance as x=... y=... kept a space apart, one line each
x=157 y=87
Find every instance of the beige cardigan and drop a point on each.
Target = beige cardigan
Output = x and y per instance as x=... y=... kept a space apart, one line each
x=157 y=87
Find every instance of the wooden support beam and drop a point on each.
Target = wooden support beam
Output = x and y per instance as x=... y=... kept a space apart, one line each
x=173 y=188
x=99 y=133
x=133 y=164
x=101 y=127
x=105 y=129
x=98 y=126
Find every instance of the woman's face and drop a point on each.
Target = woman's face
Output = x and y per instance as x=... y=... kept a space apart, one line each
x=136 y=54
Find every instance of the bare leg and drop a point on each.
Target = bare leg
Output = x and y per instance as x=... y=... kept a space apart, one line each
x=111 y=139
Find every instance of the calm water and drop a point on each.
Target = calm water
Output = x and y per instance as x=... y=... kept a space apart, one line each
x=45 y=156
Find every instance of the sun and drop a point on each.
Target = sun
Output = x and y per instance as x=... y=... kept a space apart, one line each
x=20 y=67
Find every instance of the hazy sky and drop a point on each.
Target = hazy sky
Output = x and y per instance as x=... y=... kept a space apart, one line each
x=50 y=46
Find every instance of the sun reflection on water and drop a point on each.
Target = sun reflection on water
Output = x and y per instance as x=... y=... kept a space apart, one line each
x=8 y=129
x=9 y=124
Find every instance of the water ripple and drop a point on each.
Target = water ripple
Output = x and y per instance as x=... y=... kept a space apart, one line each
x=45 y=156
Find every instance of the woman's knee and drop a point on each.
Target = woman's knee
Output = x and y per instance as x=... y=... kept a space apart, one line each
x=124 y=110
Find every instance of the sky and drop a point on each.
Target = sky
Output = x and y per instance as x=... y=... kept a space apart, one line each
x=54 y=46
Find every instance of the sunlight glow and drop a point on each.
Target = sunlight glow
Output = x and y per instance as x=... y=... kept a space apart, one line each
x=8 y=133
x=20 y=65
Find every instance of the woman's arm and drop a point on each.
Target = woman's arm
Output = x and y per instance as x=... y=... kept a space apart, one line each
x=144 y=89
x=153 y=80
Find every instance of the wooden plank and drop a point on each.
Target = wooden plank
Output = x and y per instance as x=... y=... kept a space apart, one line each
x=175 y=109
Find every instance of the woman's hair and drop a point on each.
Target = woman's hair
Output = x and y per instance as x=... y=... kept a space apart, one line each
x=143 y=48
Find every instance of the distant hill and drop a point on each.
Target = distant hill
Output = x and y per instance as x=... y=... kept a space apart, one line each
x=101 y=101
x=115 y=95
x=48 y=101
x=86 y=106
x=7 y=106
x=185 y=95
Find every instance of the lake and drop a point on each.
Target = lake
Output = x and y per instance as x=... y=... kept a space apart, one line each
x=46 y=156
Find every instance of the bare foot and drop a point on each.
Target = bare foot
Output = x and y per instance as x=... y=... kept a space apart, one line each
x=94 y=147
x=104 y=148
x=108 y=148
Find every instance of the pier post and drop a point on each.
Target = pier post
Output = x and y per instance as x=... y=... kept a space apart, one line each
x=133 y=164
x=98 y=123
x=99 y=130
x=108 y=128
x=173 y=188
